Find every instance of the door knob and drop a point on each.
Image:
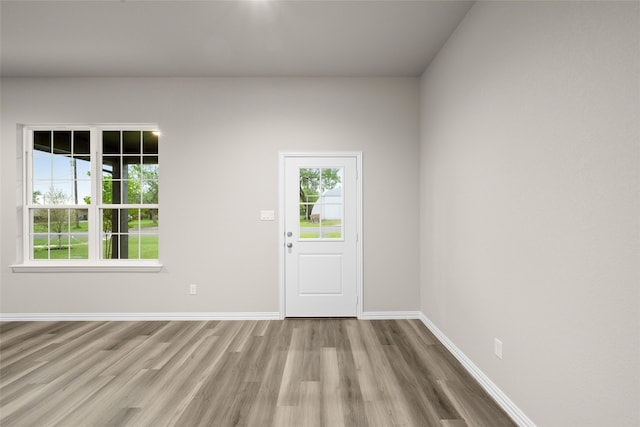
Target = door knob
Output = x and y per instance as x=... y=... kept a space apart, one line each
x=289 y=245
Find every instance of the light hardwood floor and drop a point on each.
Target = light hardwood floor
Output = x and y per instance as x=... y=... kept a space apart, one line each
x=296 y=372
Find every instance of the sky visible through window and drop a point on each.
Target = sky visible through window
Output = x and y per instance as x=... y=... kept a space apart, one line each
x=61 y=167
x=67 y=221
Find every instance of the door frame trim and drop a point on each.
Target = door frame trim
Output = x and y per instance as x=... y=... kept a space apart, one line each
x=281 y=221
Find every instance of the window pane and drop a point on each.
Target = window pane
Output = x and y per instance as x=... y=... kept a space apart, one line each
x=82 y=186
x=112 y=192
x=82 y=168
x=109 y=164
x=42 y=141
x=149 y=142
x=131 y=192
x=62 y=142
x=59 y=246
x=132 y=165
x=40 y=245
x=133 y=240
x=79 y=246
x=309 y=188
x=332 y=229
x=58 y=194
x=39 y=221
x=120 y=192
x=107 y=190
x=59 y=221
x=42 y=167
x=331 y=178
x=79 y=234
x=81 y=142
x=133 y=222
x=39 y=189
x=62 y=168
x=39 y=230
x=147 y=221
x=107 y=218
x=150 y=192
x=56 y=178
x=111 y=246
x=80 y=220
x=131 y=141
x=117 y=224
x=150 y=172
x=84 y=192
x=149 y=246
x=134 y=177
x=111 y=142
x=309 y=184
x=309 y=224
x=321 y=203
x=309 y=229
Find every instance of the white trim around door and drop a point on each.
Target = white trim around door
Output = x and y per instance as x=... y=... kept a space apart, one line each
x=281 y=229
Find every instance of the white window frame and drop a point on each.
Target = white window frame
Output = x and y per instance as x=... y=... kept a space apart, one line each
x=94 y=263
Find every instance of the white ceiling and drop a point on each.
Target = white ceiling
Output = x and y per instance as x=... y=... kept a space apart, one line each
x=223 y=38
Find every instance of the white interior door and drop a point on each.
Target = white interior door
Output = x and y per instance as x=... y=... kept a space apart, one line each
x=320 y=236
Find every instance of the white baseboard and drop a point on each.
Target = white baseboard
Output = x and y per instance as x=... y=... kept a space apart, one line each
x=382 y=315
x=90 y=317
x=498 y=395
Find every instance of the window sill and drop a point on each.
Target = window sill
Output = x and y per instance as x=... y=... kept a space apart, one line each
x=138 y=267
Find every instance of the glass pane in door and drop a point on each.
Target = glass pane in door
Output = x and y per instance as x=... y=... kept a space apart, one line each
x=321 y=203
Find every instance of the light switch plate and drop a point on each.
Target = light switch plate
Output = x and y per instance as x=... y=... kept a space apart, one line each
x=267 y=216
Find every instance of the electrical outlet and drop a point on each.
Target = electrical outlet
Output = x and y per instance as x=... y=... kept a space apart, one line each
x=497 y=348
x=193 y=289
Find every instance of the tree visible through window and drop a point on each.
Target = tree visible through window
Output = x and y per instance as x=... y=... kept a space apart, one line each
x=92 y=193
x=129 y=195
x=321 y=203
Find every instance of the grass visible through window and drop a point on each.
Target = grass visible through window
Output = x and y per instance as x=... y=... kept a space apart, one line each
x=78 y=246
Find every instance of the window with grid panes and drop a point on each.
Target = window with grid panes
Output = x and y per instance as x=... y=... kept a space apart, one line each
x=91 y=194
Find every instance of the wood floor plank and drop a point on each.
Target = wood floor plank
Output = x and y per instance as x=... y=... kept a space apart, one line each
x=286 y=416
x=332 y=405
x=293 y=373
x=350 y=387
x=296 y=372
x=264 y=409
x=309 y=405
x=271 y=365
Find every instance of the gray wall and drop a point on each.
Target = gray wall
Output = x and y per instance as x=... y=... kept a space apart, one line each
x=219 y=168
x=530 y=204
